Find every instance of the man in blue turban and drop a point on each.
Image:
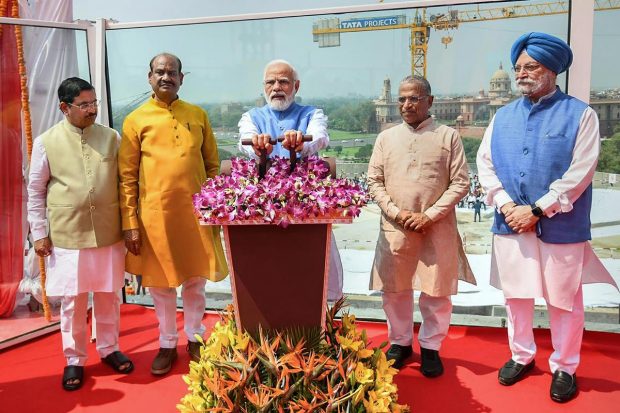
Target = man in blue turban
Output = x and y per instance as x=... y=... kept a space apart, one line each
x=536 y=163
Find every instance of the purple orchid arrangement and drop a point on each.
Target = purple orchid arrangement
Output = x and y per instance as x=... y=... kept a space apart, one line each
x=280 y=197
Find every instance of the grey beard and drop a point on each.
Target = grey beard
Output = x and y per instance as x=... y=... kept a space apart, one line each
x=528 y=87
x=281 y=105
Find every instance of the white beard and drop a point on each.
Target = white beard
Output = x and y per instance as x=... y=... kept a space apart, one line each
x=281 y=105
x=529 y=87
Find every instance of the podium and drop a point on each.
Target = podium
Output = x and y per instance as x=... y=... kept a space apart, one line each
x=279 y=275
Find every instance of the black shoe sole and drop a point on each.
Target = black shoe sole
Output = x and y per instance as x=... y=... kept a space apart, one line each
x=565 y=397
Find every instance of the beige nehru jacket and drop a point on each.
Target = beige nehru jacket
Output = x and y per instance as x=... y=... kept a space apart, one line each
x=82 y=194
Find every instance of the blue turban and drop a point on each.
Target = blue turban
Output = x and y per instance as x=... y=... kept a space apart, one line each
x=547 y=50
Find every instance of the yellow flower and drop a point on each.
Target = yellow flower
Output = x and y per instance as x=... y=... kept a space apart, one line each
x=348 y=344
x=365 y=353
x=348 y=322
x=213 y=351
x=385 y=388
x=384 y=367
x=375 y=404
x=222 y=338
x=241 y=341
x=363 y=374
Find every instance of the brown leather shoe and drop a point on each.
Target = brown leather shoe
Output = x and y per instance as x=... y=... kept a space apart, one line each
x=163 y=361
x=193 y=348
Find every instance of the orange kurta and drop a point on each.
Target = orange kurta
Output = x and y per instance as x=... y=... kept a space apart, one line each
x=166 y=153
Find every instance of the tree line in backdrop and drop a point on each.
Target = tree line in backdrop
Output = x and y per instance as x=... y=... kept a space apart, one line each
x=357 y=115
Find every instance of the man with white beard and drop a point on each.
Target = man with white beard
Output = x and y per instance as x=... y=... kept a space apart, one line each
x=536 y=164
x=282 y=116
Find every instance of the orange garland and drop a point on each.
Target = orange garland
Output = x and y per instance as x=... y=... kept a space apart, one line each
x=3 y=7
x=23 y=77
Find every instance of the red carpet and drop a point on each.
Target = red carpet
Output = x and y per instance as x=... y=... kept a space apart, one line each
x=30 y=374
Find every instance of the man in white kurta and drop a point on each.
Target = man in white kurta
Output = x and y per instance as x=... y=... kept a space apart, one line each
x=281 y=116
x=74 y=219
x=536 y=162
x=417 y=174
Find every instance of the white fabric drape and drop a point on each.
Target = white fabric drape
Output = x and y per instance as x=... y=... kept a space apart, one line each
x=51 y=57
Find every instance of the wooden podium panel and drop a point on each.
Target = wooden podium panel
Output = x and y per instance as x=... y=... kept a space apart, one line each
x=278 y=275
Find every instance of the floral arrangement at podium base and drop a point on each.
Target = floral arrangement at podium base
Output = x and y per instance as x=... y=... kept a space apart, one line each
x=337 y=373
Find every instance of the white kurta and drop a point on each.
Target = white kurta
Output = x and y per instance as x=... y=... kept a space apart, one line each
x=552 y=271
x=70 y=272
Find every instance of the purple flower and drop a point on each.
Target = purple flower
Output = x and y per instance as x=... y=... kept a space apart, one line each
x=279 y=197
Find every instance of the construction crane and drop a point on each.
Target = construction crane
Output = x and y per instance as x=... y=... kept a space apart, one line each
x=327 y=31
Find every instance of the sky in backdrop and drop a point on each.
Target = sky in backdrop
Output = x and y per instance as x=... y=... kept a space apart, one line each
x=224 y=61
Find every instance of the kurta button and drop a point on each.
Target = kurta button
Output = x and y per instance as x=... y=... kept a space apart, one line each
x=529 y=129
x=83 y=140
x=92 y=207
x=91 y=190
x=525 y=151
x=86 y=157
x=521 y=173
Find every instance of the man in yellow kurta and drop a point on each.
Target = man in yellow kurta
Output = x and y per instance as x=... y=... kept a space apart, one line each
x=417 y=174
x=167 y=151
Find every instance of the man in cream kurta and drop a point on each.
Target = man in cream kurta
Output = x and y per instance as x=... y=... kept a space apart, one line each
x=167 y=151
x=417 y=174
x=536 y=162
x=74 y=219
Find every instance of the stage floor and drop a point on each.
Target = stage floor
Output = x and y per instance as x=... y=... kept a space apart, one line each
x=30 y=374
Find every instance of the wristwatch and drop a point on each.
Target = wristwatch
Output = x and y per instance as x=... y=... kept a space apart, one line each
x=537 y=211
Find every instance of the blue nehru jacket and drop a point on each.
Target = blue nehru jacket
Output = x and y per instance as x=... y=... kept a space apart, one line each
x=532 y=146
x=275 y=122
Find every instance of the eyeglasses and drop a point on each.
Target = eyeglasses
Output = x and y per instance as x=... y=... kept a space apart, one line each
x=528 y=68
x=86 y=106
x=412 y=99
x=284 y=82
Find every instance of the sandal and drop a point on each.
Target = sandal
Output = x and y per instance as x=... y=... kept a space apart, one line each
x=116 y=360
x=71 y=373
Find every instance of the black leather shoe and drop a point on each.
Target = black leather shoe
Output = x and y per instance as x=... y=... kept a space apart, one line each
x=431 y=363
x=399 y=354
x=563 y=386
x=512 y=372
